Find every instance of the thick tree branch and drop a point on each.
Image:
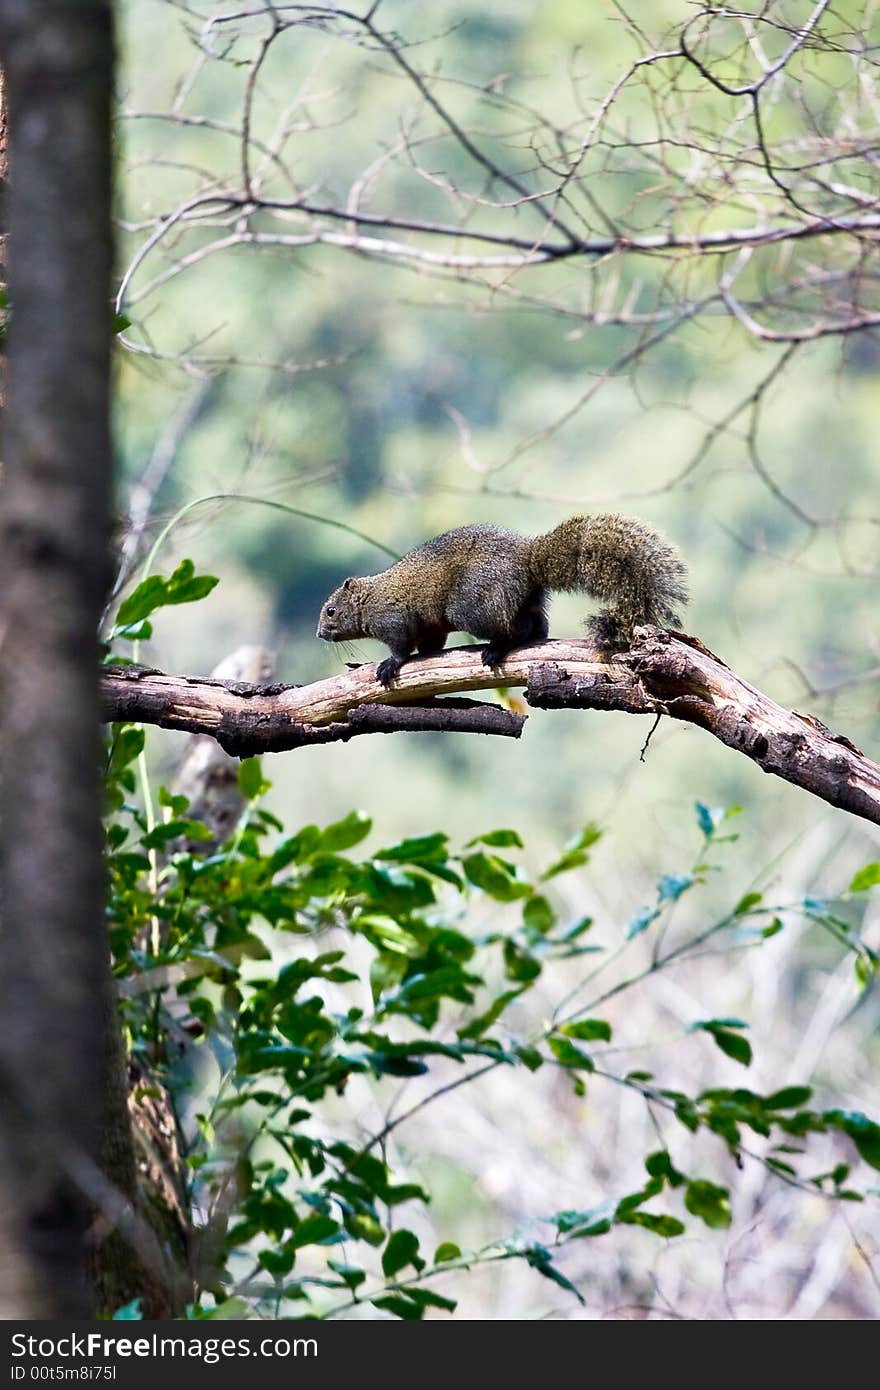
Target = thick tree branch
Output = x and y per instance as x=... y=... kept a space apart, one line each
x=250 y=719
x=663 y=673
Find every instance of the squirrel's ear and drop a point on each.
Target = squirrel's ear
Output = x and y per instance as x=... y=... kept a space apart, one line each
x=347 y=583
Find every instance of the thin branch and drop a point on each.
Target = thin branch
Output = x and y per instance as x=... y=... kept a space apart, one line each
x=528 y=254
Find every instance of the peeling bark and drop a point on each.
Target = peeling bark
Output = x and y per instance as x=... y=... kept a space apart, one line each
x=662 y=673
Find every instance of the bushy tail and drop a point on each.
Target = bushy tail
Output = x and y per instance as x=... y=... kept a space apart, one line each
x=635 y=573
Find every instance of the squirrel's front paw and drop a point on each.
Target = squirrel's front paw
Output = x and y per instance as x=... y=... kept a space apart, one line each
x=494 y=655
x=387 y=670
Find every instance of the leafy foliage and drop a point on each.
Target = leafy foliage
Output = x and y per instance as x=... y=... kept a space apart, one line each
x=290 y=1023
x=301 y=966
x=183 y=586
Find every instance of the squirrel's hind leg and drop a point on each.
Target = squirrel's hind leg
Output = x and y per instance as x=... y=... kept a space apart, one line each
x=610 y=631
x=530 y=625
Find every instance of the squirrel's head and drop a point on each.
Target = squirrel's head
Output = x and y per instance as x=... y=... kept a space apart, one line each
x=340 y=619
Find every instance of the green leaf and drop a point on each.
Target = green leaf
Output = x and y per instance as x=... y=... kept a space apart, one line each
x=402 y=1249
x=116 y=835
x=386 y=973
x=540 y=1259
x=529 y=1056
x=446 y=1251
x=478 y=1026
x=640 y=921
x=363 y=1226
x=732 y=1044
x=496 y=877
x=395 y=888
x=864 y=1133
x=518 y=964
x=278 y=1263
x=175 y=804
x=588 y=1030
x=585 y=839
x=746 y=903
x=671 y=886
x=405 y=1192
x=865 y=878
x=575 y=852
x=447 y=982
x=780 y=1167
x=417 y=850
x=568 y=1055
x=665 y=1226
x=351 y=1276
x=401 y=1306
x=660 y=1165
x=789 y=1098
x=633 y=1200
x=577 y=929
x=538 y=915
x=294 y=974
x=411 y=1303
x=708 y=818
x=128 y=744
x=314 y=1230
x=137 y=632
x=386 y=934
x=119 y=323
x=148 y=595
x=709 y=1202
x=250 y=778
x=297 y=849
x=229 y=1309
x=129 y=1312
x=345 y=833
x=173 y=830
x=384 y=1065
x=500 y=839
x=575 y=1224
x=595 y=1228
x=184 y=586
x=739 y=1048
x=427 y=1298
x=686 y=1113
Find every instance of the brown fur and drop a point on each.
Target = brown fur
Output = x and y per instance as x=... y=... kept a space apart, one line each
x=494 y=583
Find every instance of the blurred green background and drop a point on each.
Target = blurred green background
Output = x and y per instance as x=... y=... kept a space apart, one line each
x=371 y=438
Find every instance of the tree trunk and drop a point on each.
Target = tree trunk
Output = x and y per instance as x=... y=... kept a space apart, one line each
x=57 y=57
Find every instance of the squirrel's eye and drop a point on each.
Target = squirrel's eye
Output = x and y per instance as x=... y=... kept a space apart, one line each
x=330 y=611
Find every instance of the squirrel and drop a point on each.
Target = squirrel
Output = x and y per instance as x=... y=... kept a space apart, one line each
x=494 y=583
